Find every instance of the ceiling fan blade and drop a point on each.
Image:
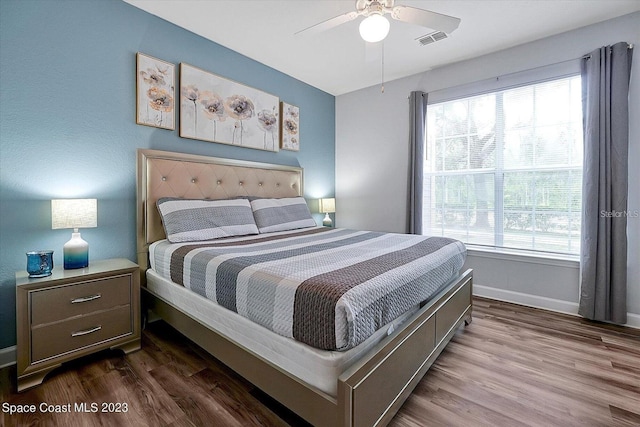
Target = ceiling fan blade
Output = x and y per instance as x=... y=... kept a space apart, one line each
x=328 y=24
x=426 y=18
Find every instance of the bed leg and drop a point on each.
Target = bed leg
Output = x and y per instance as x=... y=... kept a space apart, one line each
x=468 y=319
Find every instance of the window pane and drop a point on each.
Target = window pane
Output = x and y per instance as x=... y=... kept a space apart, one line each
x=551 y=102
x=455 y=153
x=519 y=150
x=518 y=190
x=460 y=206
x=553 y=192
x=551 y=232
x=519 y=104
x=517 y=230
x=455 y=118
x=435 y=121
x=482 y=125
x=482 y=147
x=554 y=145
x=436 y=162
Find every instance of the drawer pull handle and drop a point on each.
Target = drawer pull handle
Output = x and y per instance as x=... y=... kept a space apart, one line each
x=86 y=331
x=85 y=299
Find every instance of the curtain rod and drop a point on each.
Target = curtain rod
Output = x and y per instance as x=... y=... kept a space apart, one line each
x=587 y=56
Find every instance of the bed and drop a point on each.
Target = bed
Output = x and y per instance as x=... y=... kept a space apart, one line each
x=348 y=382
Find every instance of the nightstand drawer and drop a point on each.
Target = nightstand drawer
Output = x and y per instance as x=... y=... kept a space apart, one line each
x=73 y=334
x=50 y=305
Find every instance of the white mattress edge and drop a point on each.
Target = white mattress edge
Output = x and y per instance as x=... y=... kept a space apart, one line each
x=318 y=368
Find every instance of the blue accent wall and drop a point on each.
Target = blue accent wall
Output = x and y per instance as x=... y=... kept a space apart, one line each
x=67 y=123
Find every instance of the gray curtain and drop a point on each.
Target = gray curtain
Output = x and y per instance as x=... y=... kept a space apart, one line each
x=417 y=136
x=603 y=258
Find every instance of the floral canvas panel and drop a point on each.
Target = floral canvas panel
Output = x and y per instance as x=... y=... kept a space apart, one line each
x=216 y=109
x=290 y=127
x=155 y=105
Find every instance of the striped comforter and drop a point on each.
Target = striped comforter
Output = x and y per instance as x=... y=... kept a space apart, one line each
x=329 y=288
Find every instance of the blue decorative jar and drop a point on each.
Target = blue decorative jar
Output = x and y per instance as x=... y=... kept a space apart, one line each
x=39 y=263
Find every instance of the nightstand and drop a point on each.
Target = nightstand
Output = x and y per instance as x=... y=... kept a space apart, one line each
x=73 y=313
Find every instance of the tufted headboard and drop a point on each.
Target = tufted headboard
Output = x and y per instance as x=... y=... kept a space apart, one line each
x=168 y=174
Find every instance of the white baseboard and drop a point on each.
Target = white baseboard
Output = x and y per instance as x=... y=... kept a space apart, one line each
x=566 y=307
x=633 y=320
x=7 y=356
x=526 y=299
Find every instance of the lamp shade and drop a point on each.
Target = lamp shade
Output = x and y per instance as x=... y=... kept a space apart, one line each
x=374 y=28
x=327 y=205
x=74 y=213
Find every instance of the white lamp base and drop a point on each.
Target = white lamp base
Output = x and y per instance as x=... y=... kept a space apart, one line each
x=327 y=220
x=76 y=252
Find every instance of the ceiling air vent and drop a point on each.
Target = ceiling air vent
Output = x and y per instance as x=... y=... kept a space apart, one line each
x=431 y=38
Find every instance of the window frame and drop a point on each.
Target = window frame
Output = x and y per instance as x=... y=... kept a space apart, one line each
x=538 y=75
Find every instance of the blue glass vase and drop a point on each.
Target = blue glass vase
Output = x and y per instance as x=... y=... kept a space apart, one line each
x=39 y=263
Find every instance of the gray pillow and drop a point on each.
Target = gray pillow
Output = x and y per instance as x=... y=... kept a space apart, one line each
x=281 y=214
x=186 y=220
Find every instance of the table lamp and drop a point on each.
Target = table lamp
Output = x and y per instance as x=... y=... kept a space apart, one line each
x=74 y=213
x=327 y=206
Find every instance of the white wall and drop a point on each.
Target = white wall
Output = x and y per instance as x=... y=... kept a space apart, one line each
x=372 y=155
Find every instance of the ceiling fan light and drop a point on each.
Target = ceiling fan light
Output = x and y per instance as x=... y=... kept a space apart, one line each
x=374 y=28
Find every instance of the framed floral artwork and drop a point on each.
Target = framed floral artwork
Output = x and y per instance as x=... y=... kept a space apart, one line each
x=155 y=92
x=290 y=131
x=216 y=109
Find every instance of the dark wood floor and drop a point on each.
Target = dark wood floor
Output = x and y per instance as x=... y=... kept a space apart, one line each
x=511 y=366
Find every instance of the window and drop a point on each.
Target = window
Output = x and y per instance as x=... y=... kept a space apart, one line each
x=504 y=169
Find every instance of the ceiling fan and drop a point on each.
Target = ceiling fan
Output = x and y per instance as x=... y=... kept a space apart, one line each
x=375 y=26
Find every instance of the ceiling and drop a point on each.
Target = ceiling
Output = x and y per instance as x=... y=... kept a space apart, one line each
x=338 y=61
